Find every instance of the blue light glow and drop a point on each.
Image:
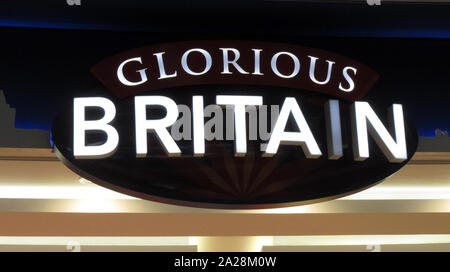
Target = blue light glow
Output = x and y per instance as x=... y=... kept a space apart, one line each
x=443 y=33
x=59 y=25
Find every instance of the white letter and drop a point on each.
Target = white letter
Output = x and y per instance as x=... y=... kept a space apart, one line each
x=80 y=126
x=227 y=62
x=122 y=77
x=199 y=126
x=394 y=150
x=312 y=68
x=239 y=102
x=333 y=127
x=257 y=70
x=304 y=138
x=273 y=64
x=207 y=58
x=349 y=79
x=143 y=126
x=162 y=70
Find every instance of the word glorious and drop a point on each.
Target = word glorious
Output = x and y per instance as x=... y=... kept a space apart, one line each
x=234 y=62
x=364 y=122
x=230 y=65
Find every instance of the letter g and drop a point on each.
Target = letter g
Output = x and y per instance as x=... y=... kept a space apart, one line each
x=141 y=72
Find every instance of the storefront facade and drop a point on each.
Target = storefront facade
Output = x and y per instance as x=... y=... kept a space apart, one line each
x=305 y=159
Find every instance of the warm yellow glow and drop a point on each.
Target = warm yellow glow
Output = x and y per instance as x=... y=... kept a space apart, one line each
x=296 y=209
x=264 y=241
x=360 y=240
x=193 y=240
x=232 y=243
x=59 y=192
x=95 y=240
x=84 y=181
x=402 y=192
x=255 y=243
x=95 y=205
x=92 y=191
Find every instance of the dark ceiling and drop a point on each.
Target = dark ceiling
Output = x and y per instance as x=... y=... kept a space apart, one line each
x=48 y=47
x=333 y=18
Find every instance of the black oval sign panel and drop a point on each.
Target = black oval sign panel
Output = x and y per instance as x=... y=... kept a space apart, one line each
x=291 y=147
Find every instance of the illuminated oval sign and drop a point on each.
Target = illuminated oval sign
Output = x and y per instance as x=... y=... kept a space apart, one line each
x=229 y=124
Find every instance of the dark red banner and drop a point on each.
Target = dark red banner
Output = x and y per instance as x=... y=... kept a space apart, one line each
x=234 y=62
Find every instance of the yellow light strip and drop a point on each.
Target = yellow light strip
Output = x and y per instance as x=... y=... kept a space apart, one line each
x=329 y=240
x=95 y=240
x=404 y=192
x=92 y=191
x=60 y=192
